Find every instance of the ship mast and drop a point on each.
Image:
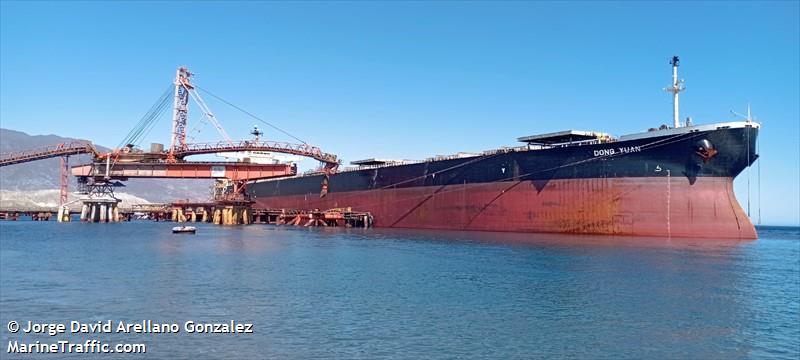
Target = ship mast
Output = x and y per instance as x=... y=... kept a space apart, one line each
x=677 y=87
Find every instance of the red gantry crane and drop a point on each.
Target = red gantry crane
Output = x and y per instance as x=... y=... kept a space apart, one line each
x=98 y=178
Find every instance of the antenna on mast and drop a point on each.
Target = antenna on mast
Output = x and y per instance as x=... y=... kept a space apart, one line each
x=677 y=87
x=748 y=117
x=257 y=133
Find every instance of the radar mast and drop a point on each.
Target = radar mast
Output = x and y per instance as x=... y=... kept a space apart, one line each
x=677 y=87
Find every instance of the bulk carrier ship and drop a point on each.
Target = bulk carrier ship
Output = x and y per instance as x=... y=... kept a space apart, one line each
x=668 y=182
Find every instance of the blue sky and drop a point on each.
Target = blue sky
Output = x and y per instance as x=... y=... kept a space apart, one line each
x=412 y=80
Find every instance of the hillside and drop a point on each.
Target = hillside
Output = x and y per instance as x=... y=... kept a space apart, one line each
x=36 y=199
x=24 y=180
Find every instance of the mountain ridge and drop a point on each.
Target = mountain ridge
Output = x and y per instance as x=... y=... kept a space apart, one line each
x=22 y=180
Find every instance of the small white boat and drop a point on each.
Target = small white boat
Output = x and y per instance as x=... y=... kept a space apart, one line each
x=184 y=230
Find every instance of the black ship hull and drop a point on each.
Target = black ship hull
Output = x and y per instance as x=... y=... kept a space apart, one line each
x=669 y=183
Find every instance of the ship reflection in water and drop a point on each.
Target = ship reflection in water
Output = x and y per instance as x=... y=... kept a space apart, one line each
x=383 y=293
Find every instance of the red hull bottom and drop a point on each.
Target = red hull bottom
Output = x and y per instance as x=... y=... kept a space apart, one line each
x=655 y=206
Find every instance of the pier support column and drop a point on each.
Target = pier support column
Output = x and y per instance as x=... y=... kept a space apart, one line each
x=95 y=210
x=227 y=216
x=84 y=212
x=234 y=212
x=63 y=214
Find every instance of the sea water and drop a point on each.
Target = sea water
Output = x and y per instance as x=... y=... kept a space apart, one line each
x=380 y=293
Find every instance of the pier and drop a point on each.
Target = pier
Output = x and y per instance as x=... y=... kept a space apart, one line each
x=230 y=213
x=35 y=215
x=341 y=217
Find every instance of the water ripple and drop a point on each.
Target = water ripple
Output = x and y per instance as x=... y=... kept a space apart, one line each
x=369 y=294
